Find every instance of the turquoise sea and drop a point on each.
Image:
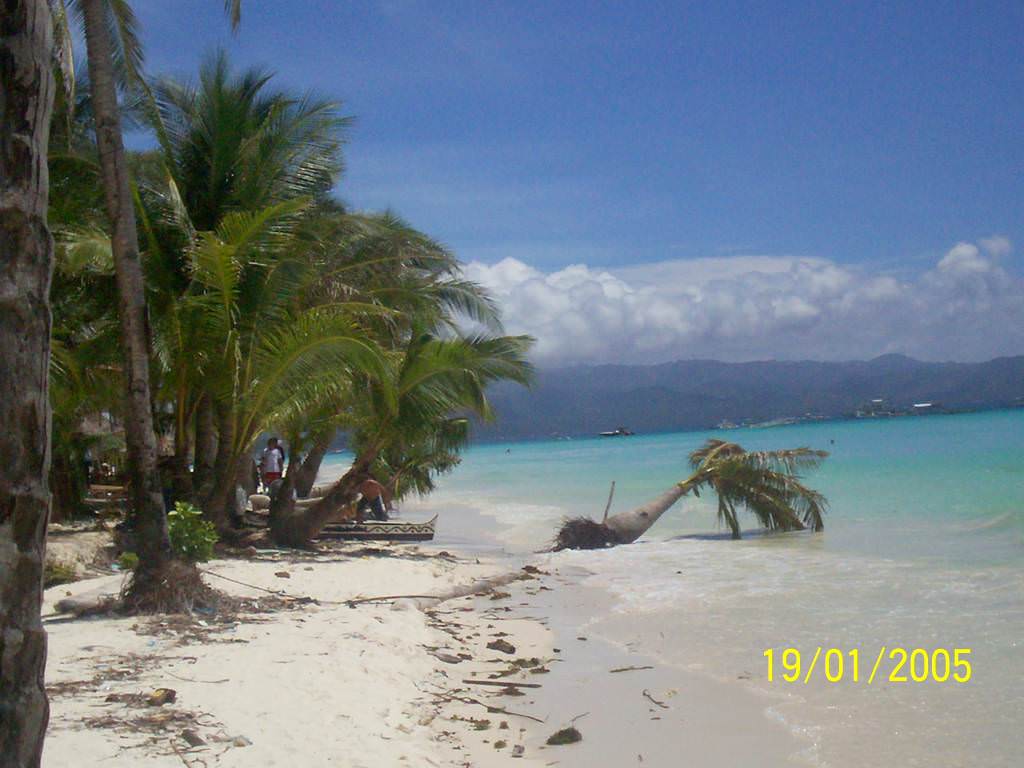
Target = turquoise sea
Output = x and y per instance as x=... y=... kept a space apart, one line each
x=923 y=547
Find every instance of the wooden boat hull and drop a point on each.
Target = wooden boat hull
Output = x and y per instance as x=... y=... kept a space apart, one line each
x=368 y=530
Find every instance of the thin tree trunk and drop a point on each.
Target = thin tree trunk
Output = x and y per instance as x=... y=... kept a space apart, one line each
x=225 y=468
x=206 y=446
x=181 y=478
x=310 y=466
x=154 y=547
x=26 y=263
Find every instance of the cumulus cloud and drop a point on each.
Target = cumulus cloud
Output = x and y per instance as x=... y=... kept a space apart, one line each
x=966 y=307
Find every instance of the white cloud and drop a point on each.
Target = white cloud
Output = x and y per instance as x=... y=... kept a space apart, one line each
x=967 y=307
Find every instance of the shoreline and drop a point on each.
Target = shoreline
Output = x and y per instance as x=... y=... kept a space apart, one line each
x=477 y=680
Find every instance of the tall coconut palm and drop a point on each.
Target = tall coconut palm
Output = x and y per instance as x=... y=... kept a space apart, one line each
x=26 y=252
x=430 y=380
x=105 y=53
x=767 y=483
x=229 y=143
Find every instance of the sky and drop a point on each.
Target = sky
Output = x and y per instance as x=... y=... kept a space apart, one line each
x=648 y=181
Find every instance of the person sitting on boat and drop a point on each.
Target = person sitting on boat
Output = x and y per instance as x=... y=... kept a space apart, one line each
x=373 y=501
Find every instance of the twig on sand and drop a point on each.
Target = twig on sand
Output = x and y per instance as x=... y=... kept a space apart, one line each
x=386 y=599
x=192 y=680
x=491 y=709
x=608 y=506
x=628 y=669
x=573 y=721
x=502 y=683
x=647 y=695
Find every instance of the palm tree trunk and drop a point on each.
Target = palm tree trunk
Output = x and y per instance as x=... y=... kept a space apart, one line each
x=310 y=466
x=630 y=526
x=154 y=547
x=300 y=528
x=206 y=446
x=26 y=263
x=225 y=469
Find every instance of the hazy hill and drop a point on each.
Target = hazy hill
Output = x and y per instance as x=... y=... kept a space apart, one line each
x=694 y=394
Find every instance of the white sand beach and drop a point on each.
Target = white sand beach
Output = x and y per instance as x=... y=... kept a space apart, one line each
x=474 y=681
x=313 y=685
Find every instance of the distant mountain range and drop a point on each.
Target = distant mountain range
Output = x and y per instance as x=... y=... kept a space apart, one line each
x=699 y=394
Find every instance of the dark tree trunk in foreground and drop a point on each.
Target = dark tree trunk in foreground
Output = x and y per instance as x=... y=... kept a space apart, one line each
x=310 y=467
x=26 y=262
x=154 y=548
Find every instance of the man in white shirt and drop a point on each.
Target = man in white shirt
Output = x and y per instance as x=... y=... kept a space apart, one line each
x=272 y=463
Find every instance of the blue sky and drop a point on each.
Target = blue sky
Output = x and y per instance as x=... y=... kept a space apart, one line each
x=869 y=137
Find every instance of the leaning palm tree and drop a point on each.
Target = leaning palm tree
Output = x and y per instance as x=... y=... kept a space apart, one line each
x=430 y=380
x=767 y=483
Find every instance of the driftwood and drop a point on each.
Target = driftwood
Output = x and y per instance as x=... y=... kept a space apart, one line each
x=502 y=683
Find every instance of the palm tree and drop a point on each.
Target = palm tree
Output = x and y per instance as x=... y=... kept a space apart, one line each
x=270 y=357
x=382 y=262
x=767 y=483
x=430 y=379
x=26 y=251
x=105 y=53
x=230 y=143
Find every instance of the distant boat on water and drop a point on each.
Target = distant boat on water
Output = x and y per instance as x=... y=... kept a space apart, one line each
x=620 y=432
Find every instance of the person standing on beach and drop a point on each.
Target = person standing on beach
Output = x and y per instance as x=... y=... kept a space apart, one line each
x=271 y=463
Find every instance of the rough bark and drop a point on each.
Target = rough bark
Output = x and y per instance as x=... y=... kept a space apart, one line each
x=310 y=467
x=150 y=516
x=206 y=446
x=26 y=263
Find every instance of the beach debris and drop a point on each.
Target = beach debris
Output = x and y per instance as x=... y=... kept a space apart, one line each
x=241 y=741
x=500 y=595
x=503 y=725
x=518 y=750
x=629 y=669
x=193 y=738
x=500 y=744
x=502 y=645
x=647 y=695
x=500 y=684
x=568 y=735
x=581 y=637
x=282 y=574
x=447 y=658
x=162 y=696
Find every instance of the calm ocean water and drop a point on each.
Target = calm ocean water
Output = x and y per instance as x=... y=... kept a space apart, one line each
x=923 y=547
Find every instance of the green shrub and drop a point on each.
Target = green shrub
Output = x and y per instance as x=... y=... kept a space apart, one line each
x=192 y=538
x=128 y=561
x=56 y=572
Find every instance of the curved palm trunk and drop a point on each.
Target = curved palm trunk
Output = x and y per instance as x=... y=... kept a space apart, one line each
x=310 y=467
x=298 y=529
x=26 y=262
x=154 y=547
x=630 y=526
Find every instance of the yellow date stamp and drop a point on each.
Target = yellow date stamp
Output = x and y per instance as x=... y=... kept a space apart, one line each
x=894 y=665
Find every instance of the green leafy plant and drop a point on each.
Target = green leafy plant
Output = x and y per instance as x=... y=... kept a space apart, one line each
x=192 y=538
x=128 y=561
x=56 y=572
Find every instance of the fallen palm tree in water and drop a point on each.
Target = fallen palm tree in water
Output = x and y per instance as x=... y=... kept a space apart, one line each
x=767 y=483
